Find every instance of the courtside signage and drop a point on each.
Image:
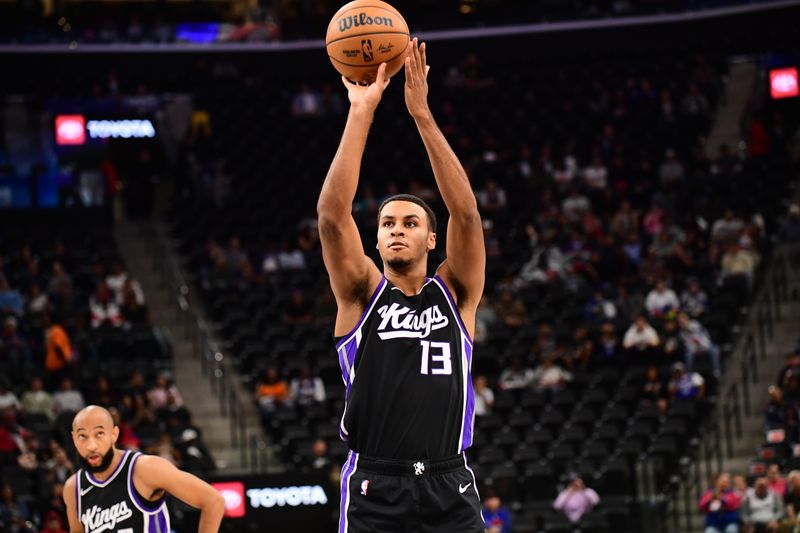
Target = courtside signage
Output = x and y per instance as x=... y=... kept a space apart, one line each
x=76 y=130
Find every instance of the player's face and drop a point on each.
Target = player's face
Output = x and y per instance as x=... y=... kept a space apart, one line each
x=404 y=237
x=94 y=436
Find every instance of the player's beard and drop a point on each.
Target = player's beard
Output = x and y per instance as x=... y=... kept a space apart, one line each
x=104 y=463
x=398 y=264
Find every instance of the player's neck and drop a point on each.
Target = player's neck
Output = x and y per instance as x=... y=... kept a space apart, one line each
x=409 y=281
x=104 y=475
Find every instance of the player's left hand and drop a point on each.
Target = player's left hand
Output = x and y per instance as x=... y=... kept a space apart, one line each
x=416 y=88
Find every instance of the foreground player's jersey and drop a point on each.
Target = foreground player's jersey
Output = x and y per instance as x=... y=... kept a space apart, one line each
x=114 y=506
x=406 y=366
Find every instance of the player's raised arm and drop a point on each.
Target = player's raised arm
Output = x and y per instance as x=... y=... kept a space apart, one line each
x=156 y=474
x=71 y=503
x=464 y=269
x=353 y=275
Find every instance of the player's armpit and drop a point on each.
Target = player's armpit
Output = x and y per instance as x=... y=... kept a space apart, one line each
x=153 y=473
x=74 y=520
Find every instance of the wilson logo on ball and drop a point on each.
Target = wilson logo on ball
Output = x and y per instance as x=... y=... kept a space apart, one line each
x=362 y=19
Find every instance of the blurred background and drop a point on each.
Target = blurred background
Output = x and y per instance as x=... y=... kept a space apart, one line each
x=637 y=359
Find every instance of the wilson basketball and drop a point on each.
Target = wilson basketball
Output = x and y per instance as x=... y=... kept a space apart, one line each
x=362 y=35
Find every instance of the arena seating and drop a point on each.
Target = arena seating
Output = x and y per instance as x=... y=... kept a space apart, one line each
x=117 y=355
x=598 y=425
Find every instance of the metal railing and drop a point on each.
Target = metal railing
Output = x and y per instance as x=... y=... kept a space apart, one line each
x=222 y=378
x=668 y=503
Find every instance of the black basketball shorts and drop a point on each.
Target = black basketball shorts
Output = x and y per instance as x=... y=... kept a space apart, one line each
x=437 y=496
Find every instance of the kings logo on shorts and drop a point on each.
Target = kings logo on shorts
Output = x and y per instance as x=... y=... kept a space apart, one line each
x=403 y=322
x=97 y=520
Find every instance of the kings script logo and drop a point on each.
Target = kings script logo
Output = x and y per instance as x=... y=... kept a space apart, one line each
x=96 y=520
x=403 y=322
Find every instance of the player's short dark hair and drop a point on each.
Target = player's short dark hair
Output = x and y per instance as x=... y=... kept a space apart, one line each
x=413 y=199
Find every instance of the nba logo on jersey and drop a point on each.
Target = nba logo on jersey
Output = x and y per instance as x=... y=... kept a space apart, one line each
x=364 y=487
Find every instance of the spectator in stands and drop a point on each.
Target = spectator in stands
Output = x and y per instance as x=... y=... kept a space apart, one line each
x=58 y=277
x=762 y=509
x=576 y=500
x=686 y=385
x=549 y=376
x=776 y=412
x=739 y=262
x=596 y=175
x=625 y=221
x=728 y=228
x=37 y=301
x=8 y=400
x=67 y=399
x=740 y=487
x=291 y=259
x=629 y=304
x=607 y=345
x=59 y=464
x=721 y=507
x=517 y=376
x=671 y=170
x=575 y=205
x=58 y=355
x=510 y=310
x=775 y=480
x=104 y=310
x=792 y=504
x=640 y=339
x=661 y=301
x=547 y=263
x=103 y=394
x=694 y=300
x=671 y=342
x=306 y=103
x=271 y=393
x=298 y=310
x=492 y=198
x=790 y=229
x=496 y=517
x=116 y=278
x=654 y=391
x=319 y=456
x=15 y=516
x=13 y=347
x=696 y=341
x=306 y=389
x=164 y=393
x=10 y=299
x=132 y=311
x=37 y=401
x=52 y=523
x=484 y=396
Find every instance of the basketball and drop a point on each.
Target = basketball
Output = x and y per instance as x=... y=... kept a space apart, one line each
x=362 y=35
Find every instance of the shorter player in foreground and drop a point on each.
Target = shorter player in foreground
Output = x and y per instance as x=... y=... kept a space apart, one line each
x=123 y=491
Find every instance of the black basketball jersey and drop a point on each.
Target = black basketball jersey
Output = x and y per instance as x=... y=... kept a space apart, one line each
x=406 y=367
x=114 y=506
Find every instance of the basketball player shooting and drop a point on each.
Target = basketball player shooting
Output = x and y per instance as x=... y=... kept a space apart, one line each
x=403 y=339
x=120 y=491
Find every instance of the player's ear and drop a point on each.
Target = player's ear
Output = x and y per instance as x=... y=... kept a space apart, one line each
x=115 y=433
x=431 y=241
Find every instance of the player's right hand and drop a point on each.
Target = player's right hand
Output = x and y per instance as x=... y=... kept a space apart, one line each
x=367 y=96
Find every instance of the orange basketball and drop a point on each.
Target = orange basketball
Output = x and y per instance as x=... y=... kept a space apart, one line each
x=362 y=35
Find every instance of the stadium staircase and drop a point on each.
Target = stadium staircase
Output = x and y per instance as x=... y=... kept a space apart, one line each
x=225 y=414
x=738 y=91
x=736 y=432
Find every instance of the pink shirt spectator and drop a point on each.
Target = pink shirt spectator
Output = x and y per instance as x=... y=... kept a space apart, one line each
x=576 y=503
